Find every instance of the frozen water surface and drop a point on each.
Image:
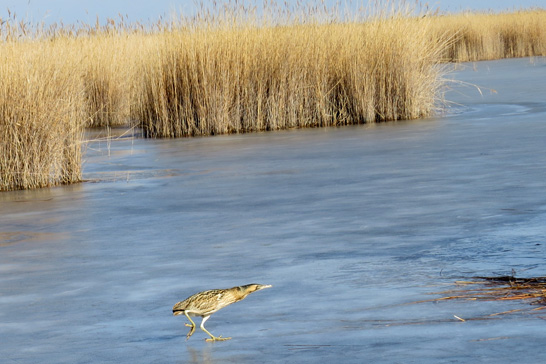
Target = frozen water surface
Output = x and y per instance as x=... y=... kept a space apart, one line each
x=350 y=225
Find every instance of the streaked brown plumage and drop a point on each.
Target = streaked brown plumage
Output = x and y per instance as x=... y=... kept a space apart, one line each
x=206 y=303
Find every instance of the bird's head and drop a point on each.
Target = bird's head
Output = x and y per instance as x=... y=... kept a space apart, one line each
x=179 y=312
x=179 y=308
x=249 y=288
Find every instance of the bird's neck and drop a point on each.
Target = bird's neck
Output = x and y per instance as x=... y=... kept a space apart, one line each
x=240 y=294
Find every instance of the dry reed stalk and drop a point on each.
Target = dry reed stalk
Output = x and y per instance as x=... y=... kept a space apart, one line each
x=503 y=289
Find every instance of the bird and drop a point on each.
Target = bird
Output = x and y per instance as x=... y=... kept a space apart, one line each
x=208 y=302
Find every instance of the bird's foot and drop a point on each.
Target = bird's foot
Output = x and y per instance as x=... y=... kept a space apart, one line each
x=217 y=338
x=191 y=332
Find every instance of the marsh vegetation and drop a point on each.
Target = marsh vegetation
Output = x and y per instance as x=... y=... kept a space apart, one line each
x=230 y=70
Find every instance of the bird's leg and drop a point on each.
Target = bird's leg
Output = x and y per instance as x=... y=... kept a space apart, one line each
x=212 y=337
x=192 y=326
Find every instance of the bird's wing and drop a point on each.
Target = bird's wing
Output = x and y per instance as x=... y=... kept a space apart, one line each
x=209 y=300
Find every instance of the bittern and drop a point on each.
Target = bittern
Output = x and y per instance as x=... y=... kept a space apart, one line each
x=206 y=303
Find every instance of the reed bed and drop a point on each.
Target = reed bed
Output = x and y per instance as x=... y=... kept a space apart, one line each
x=228 y=70
x=106 y=80
x=488 y=36
x=247 y=78
x=40 y=116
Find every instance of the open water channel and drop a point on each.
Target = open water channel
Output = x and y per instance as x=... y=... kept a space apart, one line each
x=350 y=225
